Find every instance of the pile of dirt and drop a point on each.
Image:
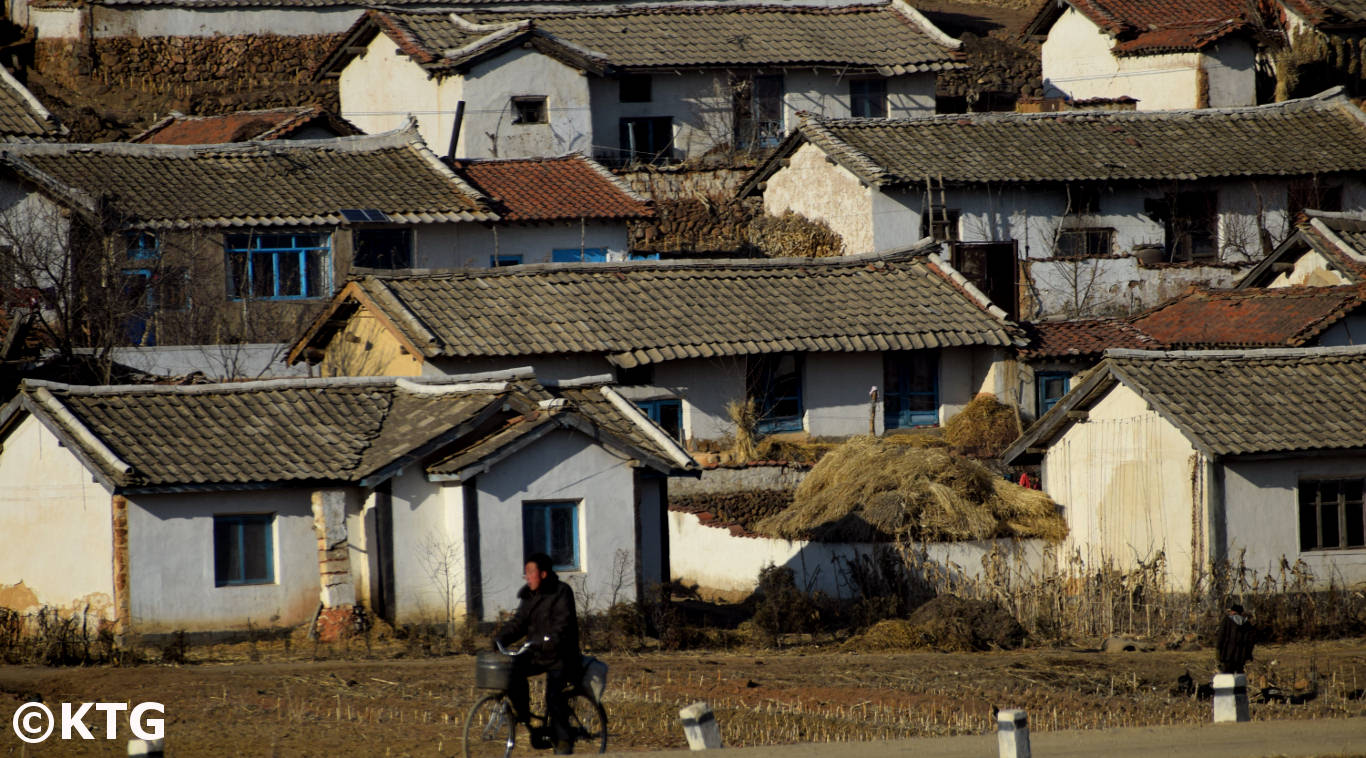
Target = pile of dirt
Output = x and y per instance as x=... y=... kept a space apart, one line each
x=871 y=489
x=984 y=428
x=947 y=623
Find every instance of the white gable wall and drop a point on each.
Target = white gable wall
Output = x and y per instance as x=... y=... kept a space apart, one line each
x=1125 y=481
x=821 y=190
x=1076 y=62
x=428 y=522
x=489 y=86
x=380 y=88
x=57 y=525
x=1310 y=270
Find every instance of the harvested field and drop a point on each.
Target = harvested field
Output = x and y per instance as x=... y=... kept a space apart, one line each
x=282 y=705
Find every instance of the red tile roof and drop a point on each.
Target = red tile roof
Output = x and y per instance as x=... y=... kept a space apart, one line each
x=277 y=123
x=1081 y=338
x=1282 y=317
x=1150 y=26
x=553 y=189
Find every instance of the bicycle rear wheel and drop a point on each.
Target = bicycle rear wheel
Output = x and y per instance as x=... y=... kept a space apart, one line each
x=589 y=722
x=490 y=729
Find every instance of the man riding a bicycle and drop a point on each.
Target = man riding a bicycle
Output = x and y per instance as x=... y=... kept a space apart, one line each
x=547 y=619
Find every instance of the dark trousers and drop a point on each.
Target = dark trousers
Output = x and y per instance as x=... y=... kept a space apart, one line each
x=556 y=695
x=1231 y=667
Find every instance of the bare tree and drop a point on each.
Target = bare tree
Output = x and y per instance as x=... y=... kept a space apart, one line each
x=443 y=561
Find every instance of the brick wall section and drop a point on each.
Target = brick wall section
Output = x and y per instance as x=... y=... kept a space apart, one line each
x=338 y=590
x=122 y=606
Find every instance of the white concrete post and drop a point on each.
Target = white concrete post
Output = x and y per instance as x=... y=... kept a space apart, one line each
x=147 y=748
x=1230 y=698
x=700 y=727
x=1012 y=733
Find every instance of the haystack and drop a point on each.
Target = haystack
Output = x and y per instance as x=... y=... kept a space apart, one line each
x=984 y=428
x=872 y=489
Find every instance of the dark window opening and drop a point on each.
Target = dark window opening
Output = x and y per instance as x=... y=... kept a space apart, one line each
x=1190 y=224
x=277 y=266
x=941 y=224
x=1083 y=199
x=1050 y=387
x=634 y=88
x=637 y=375
x=504 y=260
x=243 y=550
x=383 y=248
x=868 y=98
x=1085 y=243
x=142 y=246
x=1331 y=514
x=910 y=386
x=668 y=413
x=775 y=385
x=991 y=267
x=758 y=109
x=529 y=110
x=647 y=140
x=1311 y=194
x=553 y=529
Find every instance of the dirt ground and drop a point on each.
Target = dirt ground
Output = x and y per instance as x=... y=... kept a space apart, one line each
x=388 y=702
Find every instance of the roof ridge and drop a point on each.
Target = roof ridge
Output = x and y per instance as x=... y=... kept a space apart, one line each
x=394 y=138
x=1345 y=351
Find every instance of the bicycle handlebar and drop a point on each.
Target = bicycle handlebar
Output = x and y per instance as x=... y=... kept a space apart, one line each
x=513 y=653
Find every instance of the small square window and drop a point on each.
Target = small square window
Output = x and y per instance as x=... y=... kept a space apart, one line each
x=1085 y=243
x=243 y=550
x=383 y=248
x=868 y=98
x=1051 y=386
x=143 y=246
x=529 y=110
x=634 y=88
x=1332 y=515
x=667 y=413
x=552 y=528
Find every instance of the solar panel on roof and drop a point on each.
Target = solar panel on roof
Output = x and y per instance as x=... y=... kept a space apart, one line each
x=364 y=215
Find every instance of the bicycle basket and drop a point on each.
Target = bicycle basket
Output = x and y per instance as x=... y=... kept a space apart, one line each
x=594 y=676
x=492 y=671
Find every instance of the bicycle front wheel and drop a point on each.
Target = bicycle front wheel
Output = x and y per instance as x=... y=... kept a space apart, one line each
x=589 y=722
x=490 y=729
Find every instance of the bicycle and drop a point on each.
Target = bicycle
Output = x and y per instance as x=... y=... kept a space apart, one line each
x=491 y=726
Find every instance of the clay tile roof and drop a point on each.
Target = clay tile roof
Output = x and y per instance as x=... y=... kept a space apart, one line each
x=1152 y=26
x=551 y=189
x=882 y=36
x=1330 y=12
x=295 y=182
x=276 y=123
x=1282 y=317
x=1321 y=134
x=1082 y=338
x=650 y=311
x=22 y=117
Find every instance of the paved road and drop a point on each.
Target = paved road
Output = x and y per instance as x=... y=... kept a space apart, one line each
x=1255 y=739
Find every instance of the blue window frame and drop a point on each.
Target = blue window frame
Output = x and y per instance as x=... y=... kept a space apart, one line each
x=668 y=413
x=552 y=528
x=775 y=385
x=910 y=389
x=243 y=549
x=1051 y=386
x=278 y=265
x=504 y=260
x=644 y=256
x=579 y=255
x=142 y=246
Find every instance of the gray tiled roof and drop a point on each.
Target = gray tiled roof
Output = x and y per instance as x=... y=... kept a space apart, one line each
x=889 y=38
x=22 y=117
x=1234 y=402
x=1340 y=238
x=258 y=183
x=647 y=312
x=1318 y=135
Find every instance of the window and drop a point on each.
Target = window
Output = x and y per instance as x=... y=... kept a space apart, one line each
x=278 y=265
x=1083 y=199
x=634 y=88
x=910 y=394
x=868 y=98
x=504 y=260
x=1085 y=242
x=579 y=255
x=641 y=374
x=243 y=550
x=1311 y=194
x=383 y=248
x=529 y=110
x=940 y=223
x=667 y=413
x=553 y=529
x=775 y=385
x=647 y=140
x=1050 y=387
x=1331 y=515
x=758 y=108
x=143 y=246
x=1189 y=221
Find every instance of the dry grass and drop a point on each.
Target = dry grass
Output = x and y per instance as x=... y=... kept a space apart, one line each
x=744 y=417
x=984 y=428
x=869 y=489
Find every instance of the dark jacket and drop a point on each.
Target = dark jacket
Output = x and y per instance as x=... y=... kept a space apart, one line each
x=1234 y=642
x=547 y=618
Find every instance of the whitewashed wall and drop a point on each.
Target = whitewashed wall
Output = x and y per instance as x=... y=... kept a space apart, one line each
x=183 y=21
x=820 y=190
x=1261 y=502
x=1126 y=481
x=380 y=88
x=171 y=562
x=489 y=86
x=716 y=560
x=56 y=527
x=428 y=520
x=472 y=245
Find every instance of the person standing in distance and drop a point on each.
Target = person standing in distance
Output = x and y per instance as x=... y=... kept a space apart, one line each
x=1234 y=642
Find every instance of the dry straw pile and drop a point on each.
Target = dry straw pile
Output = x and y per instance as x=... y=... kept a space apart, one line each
x=911 y=488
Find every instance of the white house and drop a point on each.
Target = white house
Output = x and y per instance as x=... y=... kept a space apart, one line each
x=1076 y=214
x=214 y=507
x=633 y=83
x=1326 y=249
x=805 y=338
x=1256 y=456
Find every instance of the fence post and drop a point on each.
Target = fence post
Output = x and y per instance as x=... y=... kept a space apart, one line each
x=1012 y=733
x=147 y=748
x=700 y=727
x=1230 y=698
